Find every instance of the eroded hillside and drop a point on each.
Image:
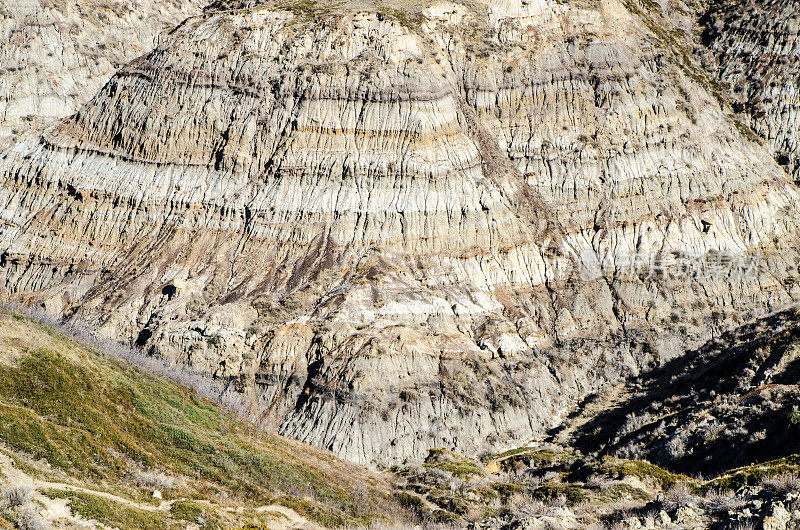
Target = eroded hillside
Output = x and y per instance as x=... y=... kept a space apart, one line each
x=396 y=227
x=756 y=47
x=87 y=440
x=733 y=402
x=56 y=55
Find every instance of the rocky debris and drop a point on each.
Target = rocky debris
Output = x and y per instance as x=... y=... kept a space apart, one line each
x=396 y=229
x=558 y=517
x=778 y=518
x=57 y=54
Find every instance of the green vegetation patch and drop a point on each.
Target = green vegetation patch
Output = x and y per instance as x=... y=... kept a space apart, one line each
x=410 y=19
x=448 y=501
x=554 y=490
x=110 y=513
x=6 y=520
x=506 y=489
x=752 y=475
x=410 y=502
x=188 y=511
x=642 y=470
x=101 y=420
x=456 y=465
x=310 y=9
x=530 y=457
x=620 y=492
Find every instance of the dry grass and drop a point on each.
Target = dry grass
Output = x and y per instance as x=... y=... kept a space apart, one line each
x=678 y=496
x=787 y=483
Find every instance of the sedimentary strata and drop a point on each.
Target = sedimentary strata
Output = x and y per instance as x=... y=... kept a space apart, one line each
x=397 y=229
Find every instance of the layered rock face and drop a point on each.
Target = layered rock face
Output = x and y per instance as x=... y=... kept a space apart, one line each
x=757 y=47
x=58 y=54
x=393 y=229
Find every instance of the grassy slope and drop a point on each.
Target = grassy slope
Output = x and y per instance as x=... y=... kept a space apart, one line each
x=70 y=415
x=98 y=422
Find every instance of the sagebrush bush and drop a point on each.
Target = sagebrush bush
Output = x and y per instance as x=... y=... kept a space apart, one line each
x=676 y=447
x=30 y=519
x=634 y=422
x=599 y=482
x=678 y=495
x=437 y=476
x=154 y=480
x=783 y=483
x=523 y=505
x=18 y=495
x=716 y=501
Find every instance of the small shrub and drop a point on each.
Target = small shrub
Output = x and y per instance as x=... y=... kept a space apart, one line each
x=783 y=483
x=598 y=482
x=678 y=495
x=31 y=519
x=437 y=476
x=524 y=505
x=153 y=480
x=676 y=447
x=16 y=496
x=721 y=502
x=634 y=422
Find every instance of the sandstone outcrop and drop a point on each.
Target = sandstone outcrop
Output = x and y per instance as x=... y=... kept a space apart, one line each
x=395 y=229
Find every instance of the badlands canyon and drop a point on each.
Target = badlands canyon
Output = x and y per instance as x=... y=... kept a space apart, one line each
x=390 y=227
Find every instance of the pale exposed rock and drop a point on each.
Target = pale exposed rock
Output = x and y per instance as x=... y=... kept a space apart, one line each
x=778 y=518
x=757 y=47
x=57 y=54
x=393 y=237
x=690 y=518
x=559 y=517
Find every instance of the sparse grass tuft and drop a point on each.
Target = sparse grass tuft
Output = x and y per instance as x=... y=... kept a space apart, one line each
x=783 y=483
